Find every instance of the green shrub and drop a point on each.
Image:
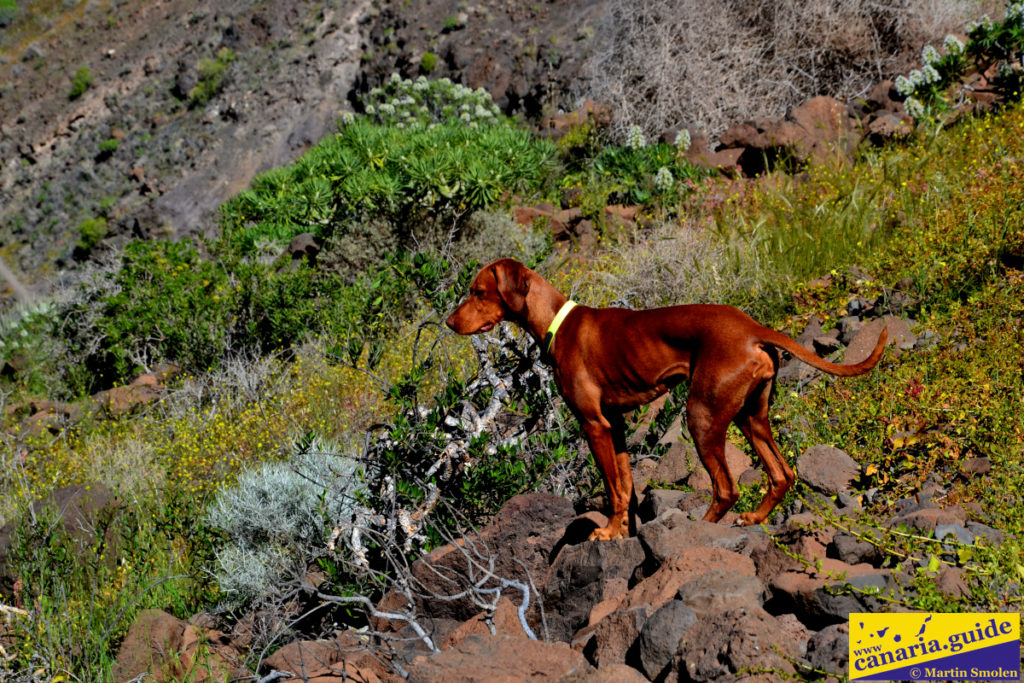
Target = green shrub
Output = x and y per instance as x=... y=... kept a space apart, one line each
x=107 y=148
x=409 y=178
x=81 y=82
x=85 y=586
x=90 y=232
x=169 y=302
x=632 y=174
x=164 y=303
x=428 y=62
x=212 y=71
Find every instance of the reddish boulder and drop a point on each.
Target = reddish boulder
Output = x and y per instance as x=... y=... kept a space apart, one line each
x=499 y=658
x=346 y=658
x=169 y=649
x=519 y=541
x=734 y=642
x=864 y=342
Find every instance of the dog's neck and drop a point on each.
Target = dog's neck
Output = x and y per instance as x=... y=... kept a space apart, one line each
x=542 y=304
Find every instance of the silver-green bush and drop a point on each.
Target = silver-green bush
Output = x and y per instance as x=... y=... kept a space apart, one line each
x=277 y=518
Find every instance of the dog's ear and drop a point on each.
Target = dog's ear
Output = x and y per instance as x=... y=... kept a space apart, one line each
x=513 y=281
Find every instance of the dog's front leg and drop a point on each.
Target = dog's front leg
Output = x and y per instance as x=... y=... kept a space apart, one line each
x=607 y=444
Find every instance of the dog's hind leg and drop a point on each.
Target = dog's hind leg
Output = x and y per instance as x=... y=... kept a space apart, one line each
x=752 y=420
x=708 y=431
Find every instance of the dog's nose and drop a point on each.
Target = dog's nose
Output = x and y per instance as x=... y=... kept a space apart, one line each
x=450 y=322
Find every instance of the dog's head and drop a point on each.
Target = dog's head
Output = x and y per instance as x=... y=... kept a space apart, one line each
x=498 y=292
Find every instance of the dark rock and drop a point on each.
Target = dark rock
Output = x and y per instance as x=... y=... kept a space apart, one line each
x=827 y=343
x=888 y=126
x=926 y=338
x=348 y=657
x=519 y=551
x=735 y=641
x=794 y=629
x=817 y=597
x=657 y=502
x=609 y=640
x=720 y=590
x=976 y=466
x=829 y=649
x=661 y=635
x=612 y=673
x=736 y=461
x=794 y=371
x=504 y=620
x=673 y=533
x=979 y=530
x=186 y=78
x=927 y=519
x=159 y=643
x=853 y=550
x=751 y=477
x=304 y=245
x=490 y=658
x=818 y=129
x=827 y=469
x=849 y=326
x=584 y=575
x=663 y=584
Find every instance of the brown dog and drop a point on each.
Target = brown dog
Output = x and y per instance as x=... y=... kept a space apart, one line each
x=611 y=360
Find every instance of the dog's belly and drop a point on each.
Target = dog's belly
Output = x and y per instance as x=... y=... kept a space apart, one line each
x=641 y=393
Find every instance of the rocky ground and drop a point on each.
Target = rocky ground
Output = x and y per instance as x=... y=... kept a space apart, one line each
x=684 y=600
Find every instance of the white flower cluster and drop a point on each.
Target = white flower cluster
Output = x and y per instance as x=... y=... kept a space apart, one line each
x=904 y=86
x=1005 y=70
x=635 y=138
x=953 y=45
x=1015 y=12
x=985 y=23
x=907 y=86
x=663 y=180
x=17 y=327
x=915 y=108
x=683 y=140
x=403 y=102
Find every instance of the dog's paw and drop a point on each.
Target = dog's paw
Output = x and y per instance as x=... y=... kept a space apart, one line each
x=611 y=532
x=749 y=519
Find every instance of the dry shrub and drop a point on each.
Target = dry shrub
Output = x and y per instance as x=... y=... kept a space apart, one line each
x=672 y=63
x=672 y=264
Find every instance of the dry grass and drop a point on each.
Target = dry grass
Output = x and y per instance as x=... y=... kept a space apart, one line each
x=670 y=264
x=670 y=63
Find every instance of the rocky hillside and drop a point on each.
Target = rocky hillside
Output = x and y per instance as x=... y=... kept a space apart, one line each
x=184 y=102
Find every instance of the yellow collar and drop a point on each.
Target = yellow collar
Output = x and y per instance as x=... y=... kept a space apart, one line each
x=557 y=322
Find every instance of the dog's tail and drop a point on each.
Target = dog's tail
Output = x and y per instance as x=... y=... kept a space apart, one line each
x=779 y=340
